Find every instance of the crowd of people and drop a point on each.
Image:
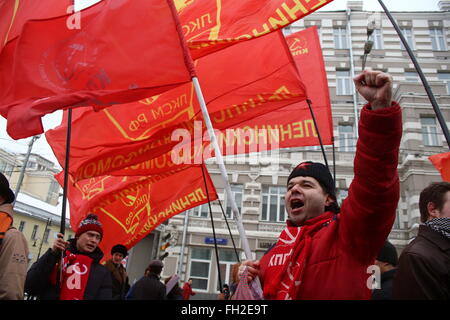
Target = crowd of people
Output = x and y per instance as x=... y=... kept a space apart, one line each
x=323 y=253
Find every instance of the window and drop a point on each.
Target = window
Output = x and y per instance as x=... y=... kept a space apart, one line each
x=9 y=170
x=407 y=33
x=377 y=38
x=437 y=39
x=227 y=259
x=340 y=38
x=32 y=165
x=46 y=234
x=273 y=204
x=200 y=268
x=200 y=211
x=342 y=194
x=237 y=191
x=411 y=76
x=346 y=138
x=343 y=83
x=33 y=234
x=54 y=188
x=429 y=131
x=445 y=76
x=21 y=226
x=397 y=219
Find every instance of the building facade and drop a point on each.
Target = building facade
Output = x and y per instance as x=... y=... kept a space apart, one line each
x=259 y=184
x=37 y=211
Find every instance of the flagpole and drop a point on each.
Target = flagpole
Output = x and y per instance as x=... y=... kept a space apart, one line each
x=62 y=229
x=190 y=67
x=229 y=231
x=66 y=172
x=334 y=161
x=318 y=132
x=213 y=229
x=223 y=172
x=427 y=87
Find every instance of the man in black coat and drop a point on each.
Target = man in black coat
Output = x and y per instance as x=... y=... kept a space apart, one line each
x=424 y=265
x=82 y=276
x=150 y=286
x=387 y=261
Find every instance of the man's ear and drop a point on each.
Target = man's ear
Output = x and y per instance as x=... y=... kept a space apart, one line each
x=329 y=200
x=433 y=211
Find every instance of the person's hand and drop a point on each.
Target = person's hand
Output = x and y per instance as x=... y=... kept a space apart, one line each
x=59 y=245
x=375 y=87
x=253 y=269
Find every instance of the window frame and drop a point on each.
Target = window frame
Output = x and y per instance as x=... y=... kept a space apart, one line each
x=409 y=36
x=34 y=232
x=435 y=43
x=281 y=209
x=340 y=38
x=349 y=138
x=377 y=38
x=429 y=136
x=343 y=83
x=198 y=260
x=445 y=80
x=228 y=209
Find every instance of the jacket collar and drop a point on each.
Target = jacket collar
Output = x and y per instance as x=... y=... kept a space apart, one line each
x=435 y=237
x=388 y=274
x=96 y=255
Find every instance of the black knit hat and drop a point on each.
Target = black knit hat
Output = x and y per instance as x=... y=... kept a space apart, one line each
x=119 y=248
x=388 y=254
x=319 y=172
x=5 y=191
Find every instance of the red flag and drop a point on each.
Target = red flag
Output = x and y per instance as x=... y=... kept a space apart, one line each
x=239 y=83
x=290 y=126
x=15 y=13
x=212 y=25
x=442 y=163
x=131 y=207
x=115 y=57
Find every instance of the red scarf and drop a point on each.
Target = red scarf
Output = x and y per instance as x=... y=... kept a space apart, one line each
x=75 y=275
x=287 y=280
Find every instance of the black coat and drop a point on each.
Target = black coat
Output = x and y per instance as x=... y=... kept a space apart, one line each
x=149 y=288
x=424 y=268
x=38 y=282
x=387 y=283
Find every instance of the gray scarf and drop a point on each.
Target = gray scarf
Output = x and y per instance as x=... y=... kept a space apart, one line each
x=441 y=225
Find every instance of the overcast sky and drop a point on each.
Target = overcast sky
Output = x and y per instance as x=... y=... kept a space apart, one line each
x=50 y=121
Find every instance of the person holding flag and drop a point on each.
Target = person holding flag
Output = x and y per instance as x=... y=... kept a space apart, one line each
x=325 y=252
x=82 y=276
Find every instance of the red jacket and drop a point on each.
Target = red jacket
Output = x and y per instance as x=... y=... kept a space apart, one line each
x=342 y=247
x=187 y=291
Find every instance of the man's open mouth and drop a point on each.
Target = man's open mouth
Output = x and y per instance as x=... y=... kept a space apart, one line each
x=296 y=204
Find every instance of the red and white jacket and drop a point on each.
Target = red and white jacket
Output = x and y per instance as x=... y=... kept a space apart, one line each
x=328 y=257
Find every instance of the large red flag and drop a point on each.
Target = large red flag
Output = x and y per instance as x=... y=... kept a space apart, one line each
x=441 y=162
x=307 y=52
x=131 y=207
x=290 y=126
x=115 y=57
x=210 y=25
x=239 y=83
x=15 y=13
